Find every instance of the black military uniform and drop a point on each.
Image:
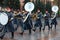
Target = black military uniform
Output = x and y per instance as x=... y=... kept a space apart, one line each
x=28 y=23
x=38 y=22
x=20 y=22
x=2 y=29
x=54 y=22
x=10 y=24
x=46 y=21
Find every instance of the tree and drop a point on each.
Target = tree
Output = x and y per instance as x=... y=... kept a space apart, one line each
x=1 y=2
x=48 y=7
x=35 y=7
x=26 y=1
x=14 y=4
x=17 y=4
x=40 y=6
x=58 y=4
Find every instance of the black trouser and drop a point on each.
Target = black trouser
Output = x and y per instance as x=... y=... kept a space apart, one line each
x=52 y=25
x=40 y=28
x=54 y=22
x=29 y=31
x=48 y=27
x=2 y=36
x=46 y=23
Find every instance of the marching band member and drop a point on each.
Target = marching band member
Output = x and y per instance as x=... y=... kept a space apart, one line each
x=10 y=24
x=20 y=21
x=46 y=20
x=2 y=28
x=53 y=21
x=38 y=20
x=28 y=22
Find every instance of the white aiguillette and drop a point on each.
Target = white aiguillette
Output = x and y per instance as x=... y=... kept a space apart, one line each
x=3 y=18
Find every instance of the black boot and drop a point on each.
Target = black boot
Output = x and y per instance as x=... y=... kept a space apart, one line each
x=49 y=27
x=29 y=31
x=55 y=26
x=2 y=37
x=12 y=33
x=34 y=29
x=40 y=29
x=21 y=33
x=44 y=28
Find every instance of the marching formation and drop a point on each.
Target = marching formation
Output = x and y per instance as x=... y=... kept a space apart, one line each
x=33 y=21
x=26 y=21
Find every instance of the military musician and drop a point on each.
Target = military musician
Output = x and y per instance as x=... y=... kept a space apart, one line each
x=38 y=22
x=46 y=20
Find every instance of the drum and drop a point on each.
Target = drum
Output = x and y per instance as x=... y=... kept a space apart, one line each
x=3 y=18
x=3 y=21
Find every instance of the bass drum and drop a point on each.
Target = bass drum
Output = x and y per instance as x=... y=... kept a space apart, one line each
x=3 y=18
x=3 y=22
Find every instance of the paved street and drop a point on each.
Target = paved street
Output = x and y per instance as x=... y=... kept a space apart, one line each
x=46 y=35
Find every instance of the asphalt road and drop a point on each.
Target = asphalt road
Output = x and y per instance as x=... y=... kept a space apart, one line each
x=43 y=35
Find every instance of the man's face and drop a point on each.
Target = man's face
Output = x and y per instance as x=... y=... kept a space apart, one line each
x=46 y=11
x=38 y=10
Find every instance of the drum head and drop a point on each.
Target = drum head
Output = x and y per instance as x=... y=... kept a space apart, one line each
x=3 y=18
